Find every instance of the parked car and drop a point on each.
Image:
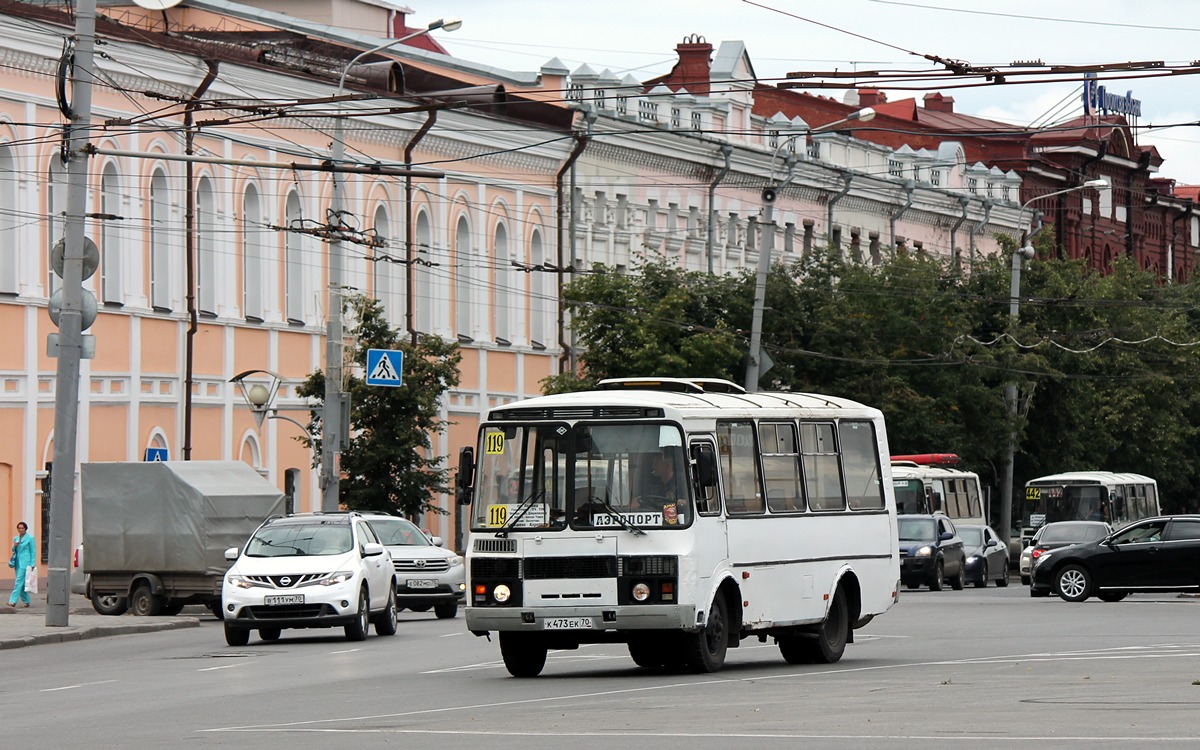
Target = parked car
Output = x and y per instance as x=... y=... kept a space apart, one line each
x=427 y=574
x=309 y=570
x=931 y=552
x=987 y=558
x=81 y=583
x=1059 y=534
x=1157 y=555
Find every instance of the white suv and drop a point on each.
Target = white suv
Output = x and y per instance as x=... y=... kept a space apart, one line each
x=309 y=570
x=427 y=574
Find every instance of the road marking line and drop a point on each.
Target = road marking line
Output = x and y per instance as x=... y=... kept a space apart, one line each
x=72 y=687
x=223 y=666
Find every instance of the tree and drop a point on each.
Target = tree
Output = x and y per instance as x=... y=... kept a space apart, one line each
x=389 y=464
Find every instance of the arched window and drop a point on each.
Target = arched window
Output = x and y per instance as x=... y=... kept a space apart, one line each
x=8 y=222
x=293 y=259
x=110 y=236
x=383 y=269
x=464 y=320
x=503 y=297
x=538 y=300
x=206 y=251
x=160 y=243
x=422 y=285
x=253 y=250
x=56 y=204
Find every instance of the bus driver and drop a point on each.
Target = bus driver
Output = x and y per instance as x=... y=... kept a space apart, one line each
x=662 y=489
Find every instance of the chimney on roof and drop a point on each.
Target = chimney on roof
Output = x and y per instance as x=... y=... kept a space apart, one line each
x=935 y=102
x=871 y=97
x=692 y=71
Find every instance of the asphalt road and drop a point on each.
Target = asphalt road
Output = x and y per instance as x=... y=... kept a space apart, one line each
x=986 y=668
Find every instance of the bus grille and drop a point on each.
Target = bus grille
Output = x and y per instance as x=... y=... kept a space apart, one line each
x=650 y=565
x=495 y=567
x=495 y=545
x=547 y=568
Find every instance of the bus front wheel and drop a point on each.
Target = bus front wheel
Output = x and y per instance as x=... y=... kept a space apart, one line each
x=523 y=657
x=706 y=650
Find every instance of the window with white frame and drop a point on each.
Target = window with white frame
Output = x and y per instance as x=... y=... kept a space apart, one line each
x=622 y=106
x=697 y=121
x=293 y=259
x=895 y=168
x=973 y=185
x=422 y=286
x=383 y=270
x=648 y=111
x=464 y=319
x=160 y=242
x=206 y=251
x=539 y=301
x=935 y=177
x=253 y=252
x=56 y=203
x=676 y=117
x=110 y=237
x=502 y=298
x=8 y=222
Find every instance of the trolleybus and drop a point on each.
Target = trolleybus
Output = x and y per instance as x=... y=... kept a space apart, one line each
x=678 y=517
x=1119 y=499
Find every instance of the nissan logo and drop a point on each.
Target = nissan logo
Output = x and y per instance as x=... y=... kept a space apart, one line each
x=286 y=580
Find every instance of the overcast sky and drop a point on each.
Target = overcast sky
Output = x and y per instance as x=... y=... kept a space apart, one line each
x=784 y=36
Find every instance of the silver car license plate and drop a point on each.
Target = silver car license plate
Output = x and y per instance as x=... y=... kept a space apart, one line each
x=274 y=601
x=567 y=623
x=421 y=583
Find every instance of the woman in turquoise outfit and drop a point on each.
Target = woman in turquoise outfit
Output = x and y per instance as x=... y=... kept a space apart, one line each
x=24 y=555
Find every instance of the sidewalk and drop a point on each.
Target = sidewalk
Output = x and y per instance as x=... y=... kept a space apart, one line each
x=27 y=626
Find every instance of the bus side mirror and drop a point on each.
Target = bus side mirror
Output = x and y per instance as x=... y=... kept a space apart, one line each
x=936 y=501
x=706 y=468
x=466 y=475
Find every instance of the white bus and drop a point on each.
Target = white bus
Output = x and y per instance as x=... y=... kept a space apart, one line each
x=928 y=482
x=697 y=515
x=1119 y=499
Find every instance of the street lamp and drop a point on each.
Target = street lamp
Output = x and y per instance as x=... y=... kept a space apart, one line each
x=331 y=419
x=1023 y=252
x=767 y=227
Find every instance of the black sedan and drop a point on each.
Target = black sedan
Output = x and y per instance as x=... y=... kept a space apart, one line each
x=1155 y=555
x=987 y=558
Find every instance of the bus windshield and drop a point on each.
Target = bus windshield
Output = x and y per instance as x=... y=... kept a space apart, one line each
x=910 y=496
x=586 y=476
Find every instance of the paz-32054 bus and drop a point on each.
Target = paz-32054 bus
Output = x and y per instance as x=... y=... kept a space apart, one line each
x=678 y=517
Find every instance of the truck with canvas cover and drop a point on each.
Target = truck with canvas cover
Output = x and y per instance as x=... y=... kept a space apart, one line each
x=155 y=533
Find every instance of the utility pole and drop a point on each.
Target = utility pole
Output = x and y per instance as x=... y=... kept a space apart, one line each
x=70 y=321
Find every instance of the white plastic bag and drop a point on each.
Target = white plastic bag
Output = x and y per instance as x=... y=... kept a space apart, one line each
x=31 y=580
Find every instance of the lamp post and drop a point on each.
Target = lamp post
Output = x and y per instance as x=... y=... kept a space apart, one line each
x=754 y=366
x=331 y=417
x=1020 y=254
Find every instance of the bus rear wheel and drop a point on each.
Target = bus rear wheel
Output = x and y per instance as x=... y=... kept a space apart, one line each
x=523 y=657
x=830 y=640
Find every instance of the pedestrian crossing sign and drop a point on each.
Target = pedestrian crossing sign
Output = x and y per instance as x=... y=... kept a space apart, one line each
x=384 y=367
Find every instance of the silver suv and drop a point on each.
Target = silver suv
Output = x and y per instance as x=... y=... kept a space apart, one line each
x=309 y=570
x=427 y=574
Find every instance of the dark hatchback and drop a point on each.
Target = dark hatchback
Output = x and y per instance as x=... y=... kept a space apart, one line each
x=931 y=552
x=1154 y=555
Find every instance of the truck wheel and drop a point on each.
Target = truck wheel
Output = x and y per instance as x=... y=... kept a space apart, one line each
x=215 y=608
x=236 y=636
x=109 y=604
x=523 y=656
x=144 y=603
x=446 y=611
x=172 y=607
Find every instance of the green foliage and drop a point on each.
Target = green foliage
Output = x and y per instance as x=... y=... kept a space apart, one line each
x=390 y=464
x=1104 y=362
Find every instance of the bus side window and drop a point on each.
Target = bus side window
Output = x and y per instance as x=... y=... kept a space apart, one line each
x=739 y=464
x=822 y=476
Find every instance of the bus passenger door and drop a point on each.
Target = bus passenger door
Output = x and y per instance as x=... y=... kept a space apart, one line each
x=709 y=537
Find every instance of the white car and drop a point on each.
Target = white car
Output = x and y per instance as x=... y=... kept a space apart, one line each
x=309 y=570
x=427 y=574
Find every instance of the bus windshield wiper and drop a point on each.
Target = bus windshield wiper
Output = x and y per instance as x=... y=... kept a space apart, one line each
x=522 y=509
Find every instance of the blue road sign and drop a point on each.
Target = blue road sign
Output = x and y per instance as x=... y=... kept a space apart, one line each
x=384 y=367
x=157 y=454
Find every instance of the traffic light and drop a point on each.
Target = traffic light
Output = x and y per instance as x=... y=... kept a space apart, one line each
x=88 y=305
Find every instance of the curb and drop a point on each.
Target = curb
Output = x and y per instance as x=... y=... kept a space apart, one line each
x=78 y=633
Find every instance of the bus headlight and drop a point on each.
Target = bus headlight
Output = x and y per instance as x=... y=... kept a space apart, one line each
x=501 y=593
x=641 y=592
